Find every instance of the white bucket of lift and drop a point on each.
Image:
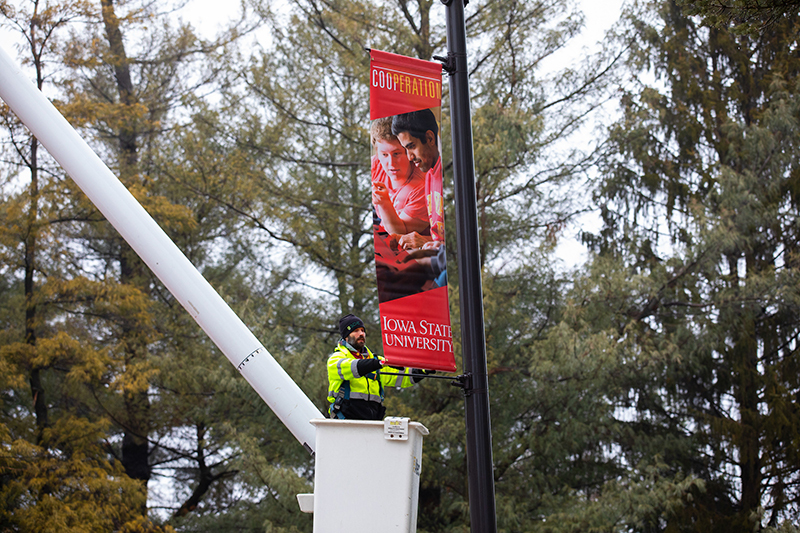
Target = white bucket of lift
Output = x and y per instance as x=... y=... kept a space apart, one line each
x=367 y=476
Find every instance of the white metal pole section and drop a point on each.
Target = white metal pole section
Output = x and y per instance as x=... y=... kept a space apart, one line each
x=158 y=251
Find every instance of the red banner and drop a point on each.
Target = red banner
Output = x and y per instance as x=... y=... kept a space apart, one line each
x=400 y=84
x=408 y=202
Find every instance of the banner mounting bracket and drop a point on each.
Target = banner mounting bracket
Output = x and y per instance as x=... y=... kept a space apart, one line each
x=464 y=382
x=448 y=63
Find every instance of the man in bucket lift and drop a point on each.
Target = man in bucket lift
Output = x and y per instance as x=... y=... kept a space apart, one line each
x=355 y=388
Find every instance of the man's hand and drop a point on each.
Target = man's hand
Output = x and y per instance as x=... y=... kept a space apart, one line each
x=380 y=194
x=393 y=367
x=413 y=240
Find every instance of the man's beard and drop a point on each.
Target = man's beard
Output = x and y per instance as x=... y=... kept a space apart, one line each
x=357 y=343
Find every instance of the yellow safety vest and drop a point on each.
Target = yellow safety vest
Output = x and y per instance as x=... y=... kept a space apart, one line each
x=343 y=378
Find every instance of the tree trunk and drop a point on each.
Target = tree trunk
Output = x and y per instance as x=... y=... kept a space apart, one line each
x=37 y=388
x=135 y=445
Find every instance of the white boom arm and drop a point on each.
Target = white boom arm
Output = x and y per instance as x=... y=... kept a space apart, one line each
x=158 y=251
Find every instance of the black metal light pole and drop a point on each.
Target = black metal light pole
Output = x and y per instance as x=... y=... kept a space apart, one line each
x=483 y=513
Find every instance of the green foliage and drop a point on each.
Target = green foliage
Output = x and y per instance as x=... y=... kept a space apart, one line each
x=66 y=485
x=742 y=16
x=697 y=203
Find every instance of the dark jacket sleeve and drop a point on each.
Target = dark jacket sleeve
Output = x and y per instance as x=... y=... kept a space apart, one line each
x=367 y=366
x=439 y=261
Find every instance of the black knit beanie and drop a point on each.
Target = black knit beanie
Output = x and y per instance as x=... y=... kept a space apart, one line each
x=348 y=323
